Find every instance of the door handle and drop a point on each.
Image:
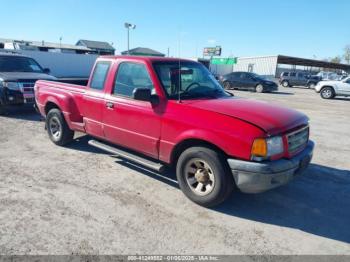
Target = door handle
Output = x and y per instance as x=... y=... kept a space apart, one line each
x=110 y=105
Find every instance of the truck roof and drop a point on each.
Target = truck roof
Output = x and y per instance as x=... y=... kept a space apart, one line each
x=147 y=58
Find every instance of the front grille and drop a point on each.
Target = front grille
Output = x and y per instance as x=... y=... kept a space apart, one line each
x=30 y=100
x=298 y=140
x=27 y=89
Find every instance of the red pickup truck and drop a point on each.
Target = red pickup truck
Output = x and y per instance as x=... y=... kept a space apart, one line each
x=161 y=112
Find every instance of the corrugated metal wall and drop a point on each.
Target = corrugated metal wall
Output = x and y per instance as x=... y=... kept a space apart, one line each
x=221 y=69
x=62 y=64
x=264 y=65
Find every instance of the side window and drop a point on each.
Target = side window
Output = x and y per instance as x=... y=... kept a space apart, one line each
x=131 y=76
x=348 y=81
x=285 y=74
x=99 y=76
x=293 y=74
x=233 y=75
x=243 y=76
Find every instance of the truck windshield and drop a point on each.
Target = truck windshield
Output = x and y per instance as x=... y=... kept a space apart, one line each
x=19 y=64
x=188 y=80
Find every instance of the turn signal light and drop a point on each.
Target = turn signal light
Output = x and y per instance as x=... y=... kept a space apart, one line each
x=259 y=147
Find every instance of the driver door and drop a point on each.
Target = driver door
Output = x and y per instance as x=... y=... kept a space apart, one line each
x=128 y=122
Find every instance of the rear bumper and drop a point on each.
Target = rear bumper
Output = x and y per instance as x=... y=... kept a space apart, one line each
x=253 y=177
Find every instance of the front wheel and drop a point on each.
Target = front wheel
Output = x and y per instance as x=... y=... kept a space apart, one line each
x=327 y=93
x=204 y=176
x=285 y=84
x=57 y=128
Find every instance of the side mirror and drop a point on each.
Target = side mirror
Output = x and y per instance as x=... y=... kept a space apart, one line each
x=142 y=94
x=47 y=70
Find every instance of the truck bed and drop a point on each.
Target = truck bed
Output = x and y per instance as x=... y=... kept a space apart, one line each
x=69 y=97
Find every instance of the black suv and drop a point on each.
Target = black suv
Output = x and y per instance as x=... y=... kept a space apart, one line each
x=248 y=81
x=290 y=79
x=18 y=75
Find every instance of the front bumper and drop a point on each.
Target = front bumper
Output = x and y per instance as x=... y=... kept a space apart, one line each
x=254 y=177
x=270 y=87
x=12 y=97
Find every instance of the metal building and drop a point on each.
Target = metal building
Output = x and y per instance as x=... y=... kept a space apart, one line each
x=273 y=66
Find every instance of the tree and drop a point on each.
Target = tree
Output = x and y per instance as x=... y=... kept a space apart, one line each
x=336 y=59
x=347 y=54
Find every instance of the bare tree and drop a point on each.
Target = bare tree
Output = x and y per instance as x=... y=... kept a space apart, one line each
x=336 y=59
x=347 y=54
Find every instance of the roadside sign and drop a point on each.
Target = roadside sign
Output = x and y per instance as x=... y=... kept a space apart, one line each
x=224 y=61
x=212 y=51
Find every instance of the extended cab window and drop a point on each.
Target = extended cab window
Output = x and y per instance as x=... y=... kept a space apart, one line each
x=100 y=74
x=131 y=76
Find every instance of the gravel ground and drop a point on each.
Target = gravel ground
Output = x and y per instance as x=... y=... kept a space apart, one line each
x=78 y=200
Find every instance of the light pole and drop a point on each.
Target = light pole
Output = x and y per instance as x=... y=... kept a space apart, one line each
x=128 y=26
x=61 y=41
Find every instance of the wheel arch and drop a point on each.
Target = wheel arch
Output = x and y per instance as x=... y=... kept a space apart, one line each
x=50 y=105
x=192 y=142
x=323 y=87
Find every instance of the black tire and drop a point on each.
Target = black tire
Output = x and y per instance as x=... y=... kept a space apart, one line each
x=217 y=190
x=57 y=128
x=311 y=85
x=285 y=83
x=259 y=88
x=2 y=109
x=227 y=85
x=327 y=92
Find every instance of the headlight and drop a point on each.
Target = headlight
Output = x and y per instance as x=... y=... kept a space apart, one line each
x=263 y=148
x=12 y=85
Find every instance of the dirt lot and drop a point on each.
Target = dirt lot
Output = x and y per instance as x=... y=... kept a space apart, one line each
x=79 y=200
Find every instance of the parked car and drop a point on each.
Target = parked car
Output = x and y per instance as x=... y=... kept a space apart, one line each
x=330 y=89
x=160 y=112
x=248 y=81
x=290 y=79
x=325 y=75
x=17 y=77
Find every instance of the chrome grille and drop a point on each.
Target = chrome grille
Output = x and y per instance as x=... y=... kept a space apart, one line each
x=27 y=89
x=298 y=139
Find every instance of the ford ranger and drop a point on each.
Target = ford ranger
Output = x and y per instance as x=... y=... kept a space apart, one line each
x=17 y=77
x=167 y=112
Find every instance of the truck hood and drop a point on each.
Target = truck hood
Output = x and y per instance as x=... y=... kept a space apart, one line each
x=17 y=76
x=273 y=119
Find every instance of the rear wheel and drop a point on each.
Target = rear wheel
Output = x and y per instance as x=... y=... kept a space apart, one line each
x=259 y=88
x=285 y=83
x=57 y=128
x=204 y=176
x=327 y=93
x=227 y=85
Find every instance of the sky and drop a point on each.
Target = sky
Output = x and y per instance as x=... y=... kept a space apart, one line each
x=310 y=29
